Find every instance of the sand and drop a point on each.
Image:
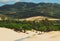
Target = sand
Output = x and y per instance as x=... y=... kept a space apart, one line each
x=10 y=35
x=50 y=36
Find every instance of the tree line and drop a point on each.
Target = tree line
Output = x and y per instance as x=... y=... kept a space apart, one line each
x=44 y=25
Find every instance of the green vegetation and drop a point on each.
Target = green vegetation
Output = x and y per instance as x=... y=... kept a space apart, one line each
x=22 y=26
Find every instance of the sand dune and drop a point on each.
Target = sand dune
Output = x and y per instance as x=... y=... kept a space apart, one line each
x=10 y=35
x=39 y=18
x=50 y=36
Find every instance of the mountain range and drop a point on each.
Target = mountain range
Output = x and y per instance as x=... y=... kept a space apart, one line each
x=25 y=10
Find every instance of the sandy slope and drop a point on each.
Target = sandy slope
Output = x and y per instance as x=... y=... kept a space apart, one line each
x=40 y=18
x=10 y=35
x=50 y=36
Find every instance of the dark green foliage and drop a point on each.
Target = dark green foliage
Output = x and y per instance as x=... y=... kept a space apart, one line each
x=22 y=26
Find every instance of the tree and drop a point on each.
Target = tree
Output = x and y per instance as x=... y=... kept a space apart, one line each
x=47 y=23
x=26 y=27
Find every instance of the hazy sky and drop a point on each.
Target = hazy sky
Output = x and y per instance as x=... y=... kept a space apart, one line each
x=2 y=2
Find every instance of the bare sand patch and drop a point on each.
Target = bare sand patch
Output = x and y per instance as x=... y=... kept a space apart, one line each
x=50 y=36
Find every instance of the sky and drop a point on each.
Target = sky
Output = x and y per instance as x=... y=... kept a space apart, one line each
x=3 y=2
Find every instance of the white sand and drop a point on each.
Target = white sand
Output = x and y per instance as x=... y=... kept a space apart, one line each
x=50 y=36
x=10 y=35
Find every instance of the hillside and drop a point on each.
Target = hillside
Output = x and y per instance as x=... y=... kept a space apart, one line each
x=25 y=10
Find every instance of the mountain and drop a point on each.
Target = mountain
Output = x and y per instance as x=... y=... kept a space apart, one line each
x=25 y=10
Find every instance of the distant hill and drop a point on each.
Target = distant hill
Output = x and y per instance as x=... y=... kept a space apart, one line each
x=25 y=10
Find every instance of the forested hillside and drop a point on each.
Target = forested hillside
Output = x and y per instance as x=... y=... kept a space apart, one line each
x=25 y=9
